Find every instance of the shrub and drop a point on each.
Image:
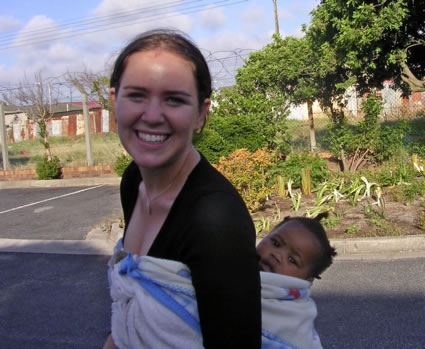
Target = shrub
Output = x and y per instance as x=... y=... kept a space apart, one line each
x=368 y=141
x=249 y=173
x=243 y=121
x=46 y=169
x=121 y=163
x=295 y=163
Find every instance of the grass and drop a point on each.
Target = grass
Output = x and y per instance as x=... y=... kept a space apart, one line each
x=70 y=150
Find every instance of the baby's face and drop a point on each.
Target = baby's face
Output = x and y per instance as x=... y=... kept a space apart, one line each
x=289 y=249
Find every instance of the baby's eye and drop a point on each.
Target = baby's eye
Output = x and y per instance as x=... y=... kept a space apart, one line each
x=292 y=260
x=174 y=101
x=275 y=243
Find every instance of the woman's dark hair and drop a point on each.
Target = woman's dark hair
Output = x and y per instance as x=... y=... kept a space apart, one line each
x=169 y=40
x=314 y=226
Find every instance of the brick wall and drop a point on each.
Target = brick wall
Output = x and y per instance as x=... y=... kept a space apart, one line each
x=67 y=172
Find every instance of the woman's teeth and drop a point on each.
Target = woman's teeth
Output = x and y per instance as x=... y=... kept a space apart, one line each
x=151 y=138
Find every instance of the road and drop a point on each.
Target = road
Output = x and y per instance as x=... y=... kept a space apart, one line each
x=56 y=213
x=50 y=301
x=372 y=304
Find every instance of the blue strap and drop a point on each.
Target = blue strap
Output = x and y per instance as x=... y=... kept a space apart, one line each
x=129 y=266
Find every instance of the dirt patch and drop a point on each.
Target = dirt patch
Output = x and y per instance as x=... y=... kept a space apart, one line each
x=347 y=221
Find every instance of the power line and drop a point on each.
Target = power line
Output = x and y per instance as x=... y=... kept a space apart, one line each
x=147 y=18
x=87 y=19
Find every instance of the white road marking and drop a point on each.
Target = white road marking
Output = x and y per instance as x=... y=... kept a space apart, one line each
x=42 y=209
x=53 y=198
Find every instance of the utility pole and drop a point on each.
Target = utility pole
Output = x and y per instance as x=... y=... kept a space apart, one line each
x=3 y=139
x=86 y=121
x=276 y=18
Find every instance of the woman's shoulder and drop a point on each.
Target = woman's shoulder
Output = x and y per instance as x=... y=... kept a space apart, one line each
x=205 y=178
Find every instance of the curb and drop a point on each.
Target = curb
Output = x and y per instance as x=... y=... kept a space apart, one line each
x=56 y=183
x=408 y=246
x=74 y=247
x=101 y=243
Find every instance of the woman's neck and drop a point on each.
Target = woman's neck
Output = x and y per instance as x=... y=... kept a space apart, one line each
x=159 y=181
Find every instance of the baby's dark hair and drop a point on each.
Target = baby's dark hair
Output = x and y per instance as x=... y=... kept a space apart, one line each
x=325 y=259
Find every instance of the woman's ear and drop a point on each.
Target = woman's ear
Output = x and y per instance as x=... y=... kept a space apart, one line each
x=113 y=96
x=205 y=108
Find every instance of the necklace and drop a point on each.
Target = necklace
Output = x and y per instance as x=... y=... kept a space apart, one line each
x=149 y=201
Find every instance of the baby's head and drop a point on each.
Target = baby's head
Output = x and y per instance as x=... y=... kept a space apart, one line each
x=296 y=247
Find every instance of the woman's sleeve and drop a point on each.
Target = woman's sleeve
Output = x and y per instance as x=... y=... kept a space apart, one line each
x=225 y=272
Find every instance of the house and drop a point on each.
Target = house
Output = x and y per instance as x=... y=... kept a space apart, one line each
x=67 y=120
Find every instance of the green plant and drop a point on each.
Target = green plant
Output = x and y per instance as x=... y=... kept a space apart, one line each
x=293 y=165
x=46 y=169
x=296 y=201
x=352 y=229
x=330 y=222
x=249 y=173
x=280 y=182
x=121 y=163
x=262 y=225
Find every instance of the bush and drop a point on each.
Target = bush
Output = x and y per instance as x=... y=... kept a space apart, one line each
x=46 y=169
x=243 y=121
x=249 y=173
x=121 y=163
x=368 y=140
x=293 y=165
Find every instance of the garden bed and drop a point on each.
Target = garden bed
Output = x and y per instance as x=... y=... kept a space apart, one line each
x=347 y=221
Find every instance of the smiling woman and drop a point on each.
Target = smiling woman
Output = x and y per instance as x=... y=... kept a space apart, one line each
x=176 y=205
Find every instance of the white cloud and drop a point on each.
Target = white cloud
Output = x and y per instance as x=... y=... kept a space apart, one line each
x=253 y=17
x=127 y=18
x=38 y=33
x=8 y=23
x=212 y=17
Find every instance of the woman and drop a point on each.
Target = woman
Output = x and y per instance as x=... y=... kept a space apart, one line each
x=176 y=205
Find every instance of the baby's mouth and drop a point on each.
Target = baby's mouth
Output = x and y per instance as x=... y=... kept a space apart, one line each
x=264 y=266
x=151 y=138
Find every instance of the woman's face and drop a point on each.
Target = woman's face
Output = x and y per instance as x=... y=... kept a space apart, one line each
x=157 y=107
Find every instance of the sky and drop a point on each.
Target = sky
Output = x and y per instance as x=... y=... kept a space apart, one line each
x=56 y=37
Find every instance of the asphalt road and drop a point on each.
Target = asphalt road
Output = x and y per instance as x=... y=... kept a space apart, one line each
x=51 y=301
x=56 y=213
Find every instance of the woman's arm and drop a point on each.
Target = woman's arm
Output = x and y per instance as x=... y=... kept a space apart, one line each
x=225 y=272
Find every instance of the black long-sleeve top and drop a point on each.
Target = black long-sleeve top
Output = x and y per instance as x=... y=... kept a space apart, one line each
x=209 y=229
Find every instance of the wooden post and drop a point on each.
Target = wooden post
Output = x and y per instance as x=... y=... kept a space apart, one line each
x=87 y=128
x=3 y=139
x=86 y=121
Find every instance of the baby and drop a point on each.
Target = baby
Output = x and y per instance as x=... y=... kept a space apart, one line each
x=146 y=290
x=296 y=247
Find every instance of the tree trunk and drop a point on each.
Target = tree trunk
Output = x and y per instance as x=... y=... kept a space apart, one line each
x=311 y=122
x=410 y=79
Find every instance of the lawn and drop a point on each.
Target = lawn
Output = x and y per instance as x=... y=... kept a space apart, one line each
x=70 y=150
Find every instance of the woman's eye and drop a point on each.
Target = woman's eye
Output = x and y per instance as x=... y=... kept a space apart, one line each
x=275 y=243
x=292 y=260
x=136 y=97
x=174 y=101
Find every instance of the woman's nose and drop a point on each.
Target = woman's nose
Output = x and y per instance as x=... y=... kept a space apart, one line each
x=152 y=111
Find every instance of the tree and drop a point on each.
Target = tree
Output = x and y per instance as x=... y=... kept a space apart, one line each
x=287 y=67
x=370 y=41
x=95 y=85
x=243 y=120
x=37 y=99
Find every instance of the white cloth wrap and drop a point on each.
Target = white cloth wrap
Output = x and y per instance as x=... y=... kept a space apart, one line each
x=154 y=306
